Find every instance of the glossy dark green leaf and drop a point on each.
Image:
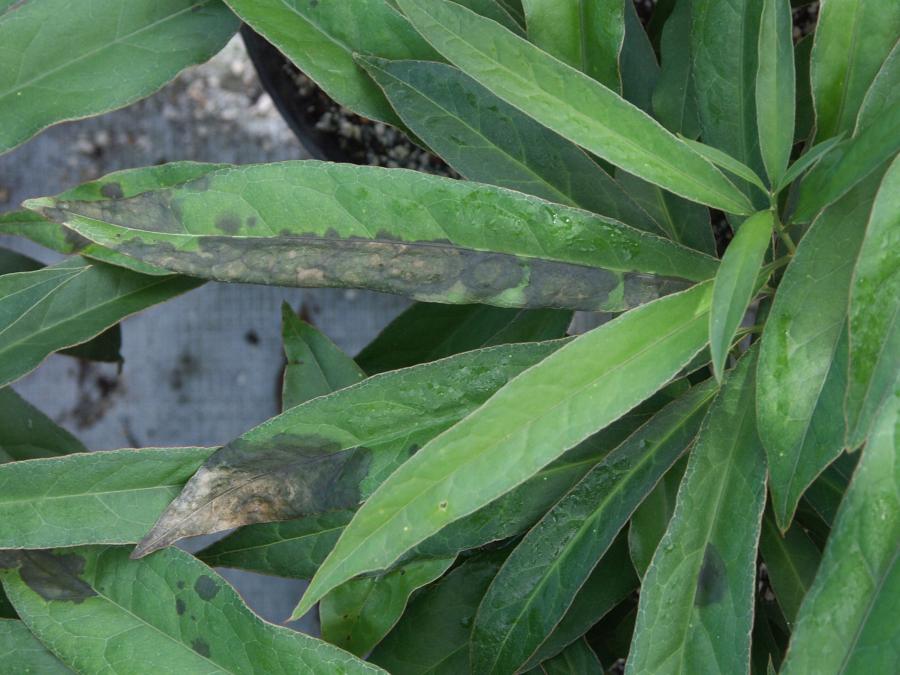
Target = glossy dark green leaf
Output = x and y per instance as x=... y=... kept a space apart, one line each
x=569 y=102
x=637 y=63
x=315 y=458
x=874 y=307
x=398 y=231
x=853 y=38
x=321 y=38
x=430 y=331
x=68 y=303
x=696 y=605
x=22 y=652
x=27 y=433
x=803 y=359
x=848 y=620
x=94 y=497
x=59 y=62
x=437 y=642
x=105 y=613
x=586 y=35
x=805 y=115
x=542 y=576
x=674 y=99
x=315 y=365
x=359 y=613
x=495 y=10
x=735 y=282
x=591 y=382
x=12 y=261
x=576 y=659
x=6 y=608
x=650 y=520
x=612 y=580
x=775 y=87
x=725 y=39
x=489 y=141
x=791 y=562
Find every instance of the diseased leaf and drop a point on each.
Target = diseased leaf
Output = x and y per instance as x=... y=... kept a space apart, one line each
x=429 y=641
x=27 y=433
x=60 y=62
x=430 y=331
x=315 y=365
x=791 y=562
x=321 y=38
x=586 y=35
x=576 y=659
x=398 y=231
x=650 y=520
x=22 y=652
x=874 y=307
x=674 y=99
x=570 y=103
x=803 y=358
x=612 y=580
x=315 y=458
x=775 y=87
x=68 y=303
x=696 y=605
x=95 y=497
x=543 y=574
x=511 y=437
x=359 y=613
x=848 y=620
x=489 y=141
x=105 y=613
x=853 y=38
x=735 y=283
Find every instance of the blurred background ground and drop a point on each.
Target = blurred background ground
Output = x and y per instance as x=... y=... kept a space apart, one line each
x=203 y=368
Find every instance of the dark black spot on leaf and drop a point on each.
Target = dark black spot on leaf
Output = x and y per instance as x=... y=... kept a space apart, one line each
x=201 y=647
x=228 y=223
x=180 y=584
x=206 y=588
x=112 y=191
x=712 y=580
x=55 y=577
x=179 y=606
x=251 y=221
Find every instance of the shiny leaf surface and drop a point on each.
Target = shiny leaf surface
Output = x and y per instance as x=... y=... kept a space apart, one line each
x=775 y=87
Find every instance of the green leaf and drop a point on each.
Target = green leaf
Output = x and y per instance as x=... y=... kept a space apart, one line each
x=493 y=9
x=94 y=497
x=775 y=87
x=807 y=160
x=612 y=580
x=60 y=62
x=489 y=141
x=791 y=562
x=805 y=115
x=637 y=63
x=321 y=38
x=27 y=433
x=6 y=609
x=874 y=308
x=429 y=641
x=315 y=365
x=570 y=103
x=848 y=621
x=22 y=652
x=726 y=161
x=696 y=605
x=359 y=613
x=674 y=99
x=430 y=331
x=650 y=520
x=12 y=261
x=586 y=35
x=853 y=38
x=315 y=458
x=398 y=231
x=105 y=613
x=68 y=303
x=735 y=283
x=803 y=359
x=576 y=659
x=826 y=492
x=875 y=141
x=725 y=37
x=541 y=577
x=591 y=382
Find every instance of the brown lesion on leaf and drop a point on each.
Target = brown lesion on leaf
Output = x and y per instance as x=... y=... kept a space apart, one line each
x=55 y=577
x=112 y=190
x=284 y=477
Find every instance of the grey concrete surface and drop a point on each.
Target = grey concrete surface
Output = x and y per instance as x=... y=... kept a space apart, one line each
x=205 y=367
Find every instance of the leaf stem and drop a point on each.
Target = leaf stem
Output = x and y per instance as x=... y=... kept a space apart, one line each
x=783 y=233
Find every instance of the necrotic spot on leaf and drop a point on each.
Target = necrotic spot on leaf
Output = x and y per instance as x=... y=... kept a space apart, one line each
x=201 y=647
x=112 y=191
x=55 y=577
x=206 y=588
x=711 y=580
x=179 y=606
x=228 y=223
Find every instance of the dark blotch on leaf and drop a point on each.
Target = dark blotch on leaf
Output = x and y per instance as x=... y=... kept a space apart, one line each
x=200 y=647
x=206 y=588
x=711 y=580
x=112 y=191
x=55 y=577
x=180 y=606
x=228 y=223
x=180 y=584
